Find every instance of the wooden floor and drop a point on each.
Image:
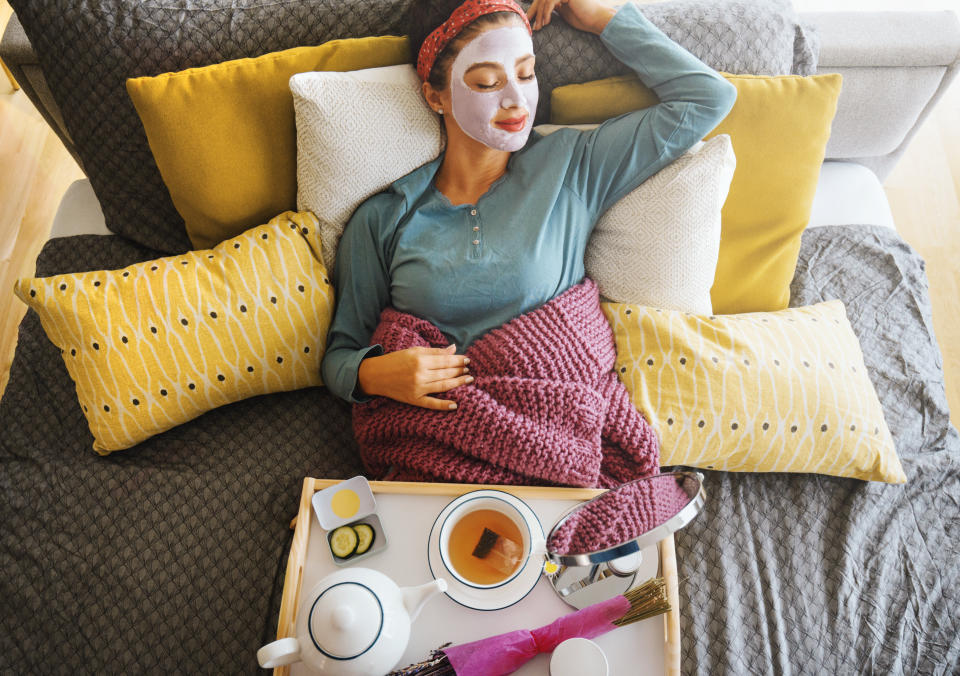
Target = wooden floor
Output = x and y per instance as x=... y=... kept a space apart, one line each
x=923 y=190
x=35 y=170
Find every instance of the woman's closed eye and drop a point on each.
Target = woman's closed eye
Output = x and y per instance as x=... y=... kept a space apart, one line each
x=491 y=84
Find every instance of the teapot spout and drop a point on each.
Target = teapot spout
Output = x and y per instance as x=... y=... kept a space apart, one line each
x=415 y=597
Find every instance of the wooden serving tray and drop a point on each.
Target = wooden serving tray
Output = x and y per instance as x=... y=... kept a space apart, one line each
x=407 y=511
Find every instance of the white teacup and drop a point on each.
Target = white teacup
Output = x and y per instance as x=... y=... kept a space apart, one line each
x=498 y=501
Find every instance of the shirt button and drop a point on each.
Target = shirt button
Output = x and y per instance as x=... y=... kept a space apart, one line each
x=476 y=227
x=473 y=212
x=476 y=241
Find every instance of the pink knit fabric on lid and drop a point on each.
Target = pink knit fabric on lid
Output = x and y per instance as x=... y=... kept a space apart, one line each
x=621 y=515
x=545 y=407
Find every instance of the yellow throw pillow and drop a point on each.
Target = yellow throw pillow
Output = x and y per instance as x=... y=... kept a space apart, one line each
x=158 y=343
x=224 y=136
x=779 y=127
x=781 y=391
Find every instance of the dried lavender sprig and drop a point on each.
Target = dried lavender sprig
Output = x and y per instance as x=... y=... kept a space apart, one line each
x=435 y=665
x=646 y=600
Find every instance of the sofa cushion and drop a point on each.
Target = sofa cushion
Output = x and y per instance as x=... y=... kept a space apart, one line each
x=79 y=212
x=849 y=194
x=223 y=135
x=88 y=50
x=158 y=343
x=357 y=133
x=779 y=127
x=783 y=391
x=168 y=557
x=658 y=244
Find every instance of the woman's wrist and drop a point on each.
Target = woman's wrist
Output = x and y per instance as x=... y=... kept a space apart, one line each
x=366 y=376
x=603 y=16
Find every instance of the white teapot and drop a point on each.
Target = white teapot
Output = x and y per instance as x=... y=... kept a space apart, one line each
x=354 y=621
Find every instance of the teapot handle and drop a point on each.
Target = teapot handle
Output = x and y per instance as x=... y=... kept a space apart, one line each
x=280 y=653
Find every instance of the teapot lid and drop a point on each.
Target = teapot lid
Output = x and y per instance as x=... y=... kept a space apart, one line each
x=345 y=620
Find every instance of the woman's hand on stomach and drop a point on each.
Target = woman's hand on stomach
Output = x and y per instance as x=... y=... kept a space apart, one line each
x=411 y=375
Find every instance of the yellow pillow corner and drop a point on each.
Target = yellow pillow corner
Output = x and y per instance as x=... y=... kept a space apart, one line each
x=779 y=127
x=158 y=343
x=224 y=137
x=735 y=392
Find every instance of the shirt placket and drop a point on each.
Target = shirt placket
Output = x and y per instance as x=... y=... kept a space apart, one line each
x=474 y=232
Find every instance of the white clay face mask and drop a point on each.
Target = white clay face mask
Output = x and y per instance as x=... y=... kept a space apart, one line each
x=475 y=111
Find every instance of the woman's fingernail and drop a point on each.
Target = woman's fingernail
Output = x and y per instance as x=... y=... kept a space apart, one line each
x=466 y=361
x=469 y=379
x=452 y=405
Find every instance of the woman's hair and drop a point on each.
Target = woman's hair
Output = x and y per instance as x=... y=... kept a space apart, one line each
x=424 y=16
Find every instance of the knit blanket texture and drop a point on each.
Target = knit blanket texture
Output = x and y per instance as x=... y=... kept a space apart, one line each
x=545 y=408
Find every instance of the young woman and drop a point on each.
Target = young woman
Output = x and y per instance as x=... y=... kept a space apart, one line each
x=497 y=225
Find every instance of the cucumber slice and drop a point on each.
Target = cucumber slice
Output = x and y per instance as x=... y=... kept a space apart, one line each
x=366 y=536
x=343 y=542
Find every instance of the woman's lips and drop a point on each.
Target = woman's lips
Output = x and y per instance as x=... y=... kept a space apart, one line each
x=513 y=124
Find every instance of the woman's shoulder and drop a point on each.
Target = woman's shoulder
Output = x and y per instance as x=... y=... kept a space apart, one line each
x=379 y=213
x=551 y=142
x=388 y=206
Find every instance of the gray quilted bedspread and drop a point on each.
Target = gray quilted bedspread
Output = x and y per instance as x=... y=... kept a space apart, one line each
x=169 y=557
x=810 y=574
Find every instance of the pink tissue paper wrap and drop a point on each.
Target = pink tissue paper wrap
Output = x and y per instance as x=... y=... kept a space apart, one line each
x=506 y=653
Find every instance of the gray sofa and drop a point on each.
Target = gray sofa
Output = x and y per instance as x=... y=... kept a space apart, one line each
x=170 y=556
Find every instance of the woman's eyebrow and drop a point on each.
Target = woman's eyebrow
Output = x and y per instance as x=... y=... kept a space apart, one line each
x=522 y=59
x=484 y=64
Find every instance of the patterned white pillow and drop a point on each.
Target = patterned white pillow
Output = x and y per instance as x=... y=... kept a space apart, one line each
x=658 y=245
x=357 y=132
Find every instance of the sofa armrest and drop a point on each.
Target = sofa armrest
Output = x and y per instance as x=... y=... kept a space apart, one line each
x=18 y=55
x=895 y=67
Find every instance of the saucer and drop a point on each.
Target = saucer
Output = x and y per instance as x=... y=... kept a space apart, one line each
x=504 y=595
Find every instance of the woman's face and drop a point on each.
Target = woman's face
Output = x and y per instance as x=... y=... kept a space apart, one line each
x=493 y=88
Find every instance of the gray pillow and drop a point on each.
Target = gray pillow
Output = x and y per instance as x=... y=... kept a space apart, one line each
x=88 y=50
x=761 y=37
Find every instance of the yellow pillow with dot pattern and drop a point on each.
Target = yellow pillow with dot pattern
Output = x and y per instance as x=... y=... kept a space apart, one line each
x=783 y=391
x=158 y=343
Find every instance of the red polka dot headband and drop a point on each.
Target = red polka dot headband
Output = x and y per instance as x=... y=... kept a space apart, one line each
x=450 y=28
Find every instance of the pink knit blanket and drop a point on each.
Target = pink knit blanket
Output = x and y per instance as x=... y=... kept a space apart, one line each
x=545 y=407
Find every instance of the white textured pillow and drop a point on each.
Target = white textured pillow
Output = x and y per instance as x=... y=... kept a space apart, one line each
x=357 y=132
x=658 y=245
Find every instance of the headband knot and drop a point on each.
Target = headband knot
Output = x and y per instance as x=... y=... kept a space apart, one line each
x=441 y=36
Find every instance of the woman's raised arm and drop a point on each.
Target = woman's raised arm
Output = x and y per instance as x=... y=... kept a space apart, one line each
x=616 y=157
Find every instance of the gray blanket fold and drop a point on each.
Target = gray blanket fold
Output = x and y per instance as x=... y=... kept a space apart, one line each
x=169 y=557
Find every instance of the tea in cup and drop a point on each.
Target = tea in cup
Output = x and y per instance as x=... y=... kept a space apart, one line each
x=485 y=541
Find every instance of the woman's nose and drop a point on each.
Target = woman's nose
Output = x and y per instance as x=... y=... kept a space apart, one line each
x=513 y=96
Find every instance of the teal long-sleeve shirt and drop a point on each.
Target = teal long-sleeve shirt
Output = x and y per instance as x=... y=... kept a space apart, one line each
x=472 y=267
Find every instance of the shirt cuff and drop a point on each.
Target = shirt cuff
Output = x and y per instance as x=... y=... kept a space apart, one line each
x=358 y=396
x=622 y=14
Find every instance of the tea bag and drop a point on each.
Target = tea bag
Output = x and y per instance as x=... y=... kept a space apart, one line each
x=498 y=551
